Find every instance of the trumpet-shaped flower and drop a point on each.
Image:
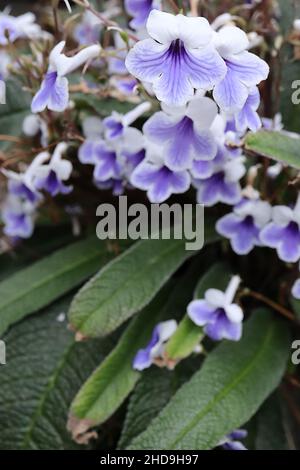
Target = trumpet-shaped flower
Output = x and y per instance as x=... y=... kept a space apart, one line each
x=223 y=185
x=153 y=176
x=283 y=233
x=178 y=58
x=155 y=348
x=18 y=217
x=50 y=177
x=116 y=124
x=54 y=91
x=184 y=133
x=244 y=69
x=217 y=313
x=244 y=224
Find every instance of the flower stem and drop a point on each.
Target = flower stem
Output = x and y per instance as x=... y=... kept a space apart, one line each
x=274 y=305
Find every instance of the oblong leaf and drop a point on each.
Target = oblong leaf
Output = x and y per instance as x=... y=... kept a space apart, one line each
x=44 y=369
x=115 y=378
x=36 y=286
x=275 y=145
x=126 y=285
x=232 y=384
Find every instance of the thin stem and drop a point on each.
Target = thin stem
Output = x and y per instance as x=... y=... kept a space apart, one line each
x=262 y=298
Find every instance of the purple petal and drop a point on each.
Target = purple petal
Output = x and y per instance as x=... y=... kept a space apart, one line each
x=202 y=169
x=285 y=239
x=86 y=152
x=215 y=189
x=244 y=235
x=54 y=94
x=140 y=10
x=200 y=312
x=222 y=328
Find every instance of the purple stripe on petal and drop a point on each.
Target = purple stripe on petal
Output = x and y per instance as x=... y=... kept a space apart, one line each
x=200 y=312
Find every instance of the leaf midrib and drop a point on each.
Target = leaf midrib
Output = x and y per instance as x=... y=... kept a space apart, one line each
x=128 y=281
x=225 y=391
x=40 y=283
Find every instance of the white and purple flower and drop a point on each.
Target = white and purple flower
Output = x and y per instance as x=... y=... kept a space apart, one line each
x=54 y=91
x=232 y=440
x=244 y=224
x=51 y=177
x=178 y=58
x=155 y=348
x=223 y=185
x=217 y=313
x=16 y=27
x=140 y=10
x=18 y=217
x=116 y=125
x=153 y=176
x=184 y=133
x=244 y=70
x=283 y=233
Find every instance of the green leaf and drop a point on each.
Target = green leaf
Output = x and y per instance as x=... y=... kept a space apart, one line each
x=188 y=335
x=274 y=145
x=153 y=391
x=270 y=433
x=232 y=384
x=126 y=285
x=111 y=383
x=45 y=367
x=38 y=285
x=13 y=113
x=289 y=68
x=105 y=106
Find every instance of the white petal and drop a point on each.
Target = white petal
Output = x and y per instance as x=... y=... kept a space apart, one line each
x=167 y=329
x=133 y=140
x=262 y=213
x=215 y=297
x=234 y=313
x=231 y=40
x=202 y=111
x=64 y=65
x=163 y=27
x=234 y=170
x=176 y=111
x=194 y=32
x=282 y=215
x=92 y=127
x=55 y=54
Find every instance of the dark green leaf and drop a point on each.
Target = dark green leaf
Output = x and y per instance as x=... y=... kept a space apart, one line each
x=232 y=384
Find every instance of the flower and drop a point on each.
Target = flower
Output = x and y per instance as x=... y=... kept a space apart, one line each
x=153 y=176
x=178 y=58
x=139 y=10
x=248 y=117
x=51 y=177
x=218 y=314
x=244 y=224
x=155 y=348
x=223 y=185
x=115 y=125
x=13 y=28
x=244 y=69
x=54 y=91
x=17 y=216
x=283 y=233
x=88 y=31
x=184 y=133
x=231 y=441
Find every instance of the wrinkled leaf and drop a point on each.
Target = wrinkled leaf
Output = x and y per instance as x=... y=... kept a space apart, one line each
x=36 y=286
x=232 y=384
x=276 y=146
x=126 y=285
x=45 y=367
